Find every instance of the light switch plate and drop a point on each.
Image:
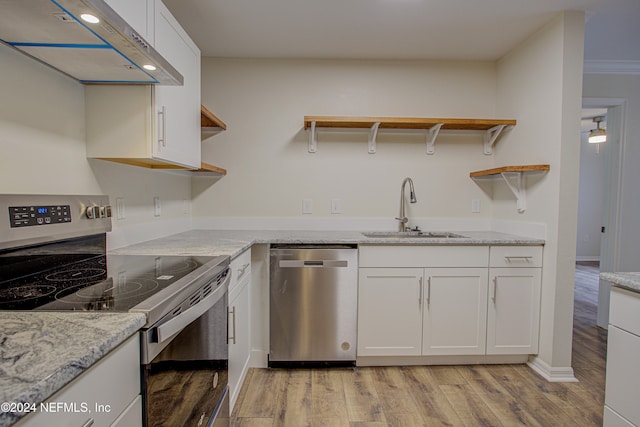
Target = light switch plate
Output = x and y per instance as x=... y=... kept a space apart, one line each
x=120 y=212
x=307 y=206
x=156 y=206
x=336 y=206
x=475 y=206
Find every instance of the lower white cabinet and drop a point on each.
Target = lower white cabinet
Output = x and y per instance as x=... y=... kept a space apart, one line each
x=513 y=315
x=389 y=312
x=239 y=324
x=107 y=394
x=455 y=311
x=451 y=300
x=623 y=352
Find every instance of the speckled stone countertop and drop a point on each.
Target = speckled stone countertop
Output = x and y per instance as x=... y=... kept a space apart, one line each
x=234 y=242
x=630 y=281
x=41 y=351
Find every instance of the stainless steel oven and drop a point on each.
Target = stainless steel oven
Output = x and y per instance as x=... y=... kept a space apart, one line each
x=53 y=257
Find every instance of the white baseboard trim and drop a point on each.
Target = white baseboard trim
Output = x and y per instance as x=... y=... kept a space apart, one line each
x=553 y=375
x=587 y=258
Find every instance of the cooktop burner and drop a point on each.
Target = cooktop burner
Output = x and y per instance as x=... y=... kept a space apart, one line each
x=114 y=283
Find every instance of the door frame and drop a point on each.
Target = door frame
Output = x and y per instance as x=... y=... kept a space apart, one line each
x=610 y=240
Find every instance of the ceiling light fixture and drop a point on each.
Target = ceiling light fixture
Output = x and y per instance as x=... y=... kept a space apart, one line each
x=149 y=67
x=91 y=19
x=597 y=135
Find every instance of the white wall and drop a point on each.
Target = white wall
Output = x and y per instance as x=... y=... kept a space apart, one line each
x=265 y=148
x=42 y=151
x=591 y=195
x=625 y=87
x=540 y=83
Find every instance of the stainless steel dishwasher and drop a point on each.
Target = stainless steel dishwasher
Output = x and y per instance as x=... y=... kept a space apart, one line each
x=313 y=305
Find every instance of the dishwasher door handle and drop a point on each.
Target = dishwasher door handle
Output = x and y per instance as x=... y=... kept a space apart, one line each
x=312 y=263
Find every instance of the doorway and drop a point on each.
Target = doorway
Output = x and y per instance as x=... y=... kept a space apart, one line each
x=599 y=201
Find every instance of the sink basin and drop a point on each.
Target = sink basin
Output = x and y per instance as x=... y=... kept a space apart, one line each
x=413 y=234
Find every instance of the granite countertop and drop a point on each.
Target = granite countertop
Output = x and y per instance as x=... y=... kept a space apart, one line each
x=630 y=280
x=41 y=351
x=234 y=242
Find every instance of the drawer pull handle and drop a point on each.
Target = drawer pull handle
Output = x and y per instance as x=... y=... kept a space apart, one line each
x=232 y=312
x=525 y=258
x=242 y=270
x=420 y=289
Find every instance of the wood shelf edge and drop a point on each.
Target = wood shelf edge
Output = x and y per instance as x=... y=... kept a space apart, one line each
x=403 y=122
x=497 y=171
x=208 y=169
x=209 y=120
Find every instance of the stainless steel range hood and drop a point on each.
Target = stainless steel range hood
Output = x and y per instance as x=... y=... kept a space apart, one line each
x=109 y=51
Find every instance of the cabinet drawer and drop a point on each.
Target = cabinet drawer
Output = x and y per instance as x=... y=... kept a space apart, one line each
x=240 y=268
x=516 y=256
x=100 y=394
x=423 y=256
x=624 y=310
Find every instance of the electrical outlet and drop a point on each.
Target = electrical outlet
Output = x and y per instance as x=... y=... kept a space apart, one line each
x=336 y=206
x=475 y=206
x=120 y=213
x=186 y=206
x=156 y=206
x=307 y=206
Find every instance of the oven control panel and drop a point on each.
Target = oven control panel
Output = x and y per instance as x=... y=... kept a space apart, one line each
x=28 y=216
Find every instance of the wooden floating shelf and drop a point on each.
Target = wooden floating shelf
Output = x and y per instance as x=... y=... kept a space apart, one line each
x=208 y=120
x=209 y=170
x=498 y=171
x=491 y=128
x=513 y=176
x=403 y=122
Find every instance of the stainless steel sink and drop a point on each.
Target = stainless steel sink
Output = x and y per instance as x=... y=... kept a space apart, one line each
x=413 y=234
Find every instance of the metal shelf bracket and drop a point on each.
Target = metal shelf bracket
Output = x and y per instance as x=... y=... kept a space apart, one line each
x=373 y=133
x=491 y=136
x=432 y=134
x=313 y=138
x=515 y=182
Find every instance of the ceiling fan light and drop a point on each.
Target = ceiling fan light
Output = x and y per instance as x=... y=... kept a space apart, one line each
x=597 y=136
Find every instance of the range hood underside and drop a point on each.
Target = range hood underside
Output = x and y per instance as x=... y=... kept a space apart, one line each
x=108 y=52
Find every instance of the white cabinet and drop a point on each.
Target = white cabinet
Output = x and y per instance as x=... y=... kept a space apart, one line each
x=107 y=394
x=239 y=323
x=150 y=126
x=513 y=315
x=389 y=312
x=455 y=310
x=449 y=300
x=422 y=300
x=623 y=351
x=137 y=13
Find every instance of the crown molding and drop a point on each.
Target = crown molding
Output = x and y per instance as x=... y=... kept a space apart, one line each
x=611 y=67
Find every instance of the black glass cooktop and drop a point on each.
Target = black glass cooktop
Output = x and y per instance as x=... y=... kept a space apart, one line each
x=88 y=282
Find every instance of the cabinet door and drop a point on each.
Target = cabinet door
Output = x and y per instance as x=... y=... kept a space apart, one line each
x=177 y=107
x=623 y=373
x=239 y=337
x=136 y=13
x=513 y=319
x=455 y=310
x=389 y=311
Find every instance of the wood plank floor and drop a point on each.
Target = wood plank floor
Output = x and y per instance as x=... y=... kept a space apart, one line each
x=480 y=395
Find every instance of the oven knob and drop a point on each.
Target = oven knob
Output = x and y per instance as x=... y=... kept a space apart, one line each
x=107 y=211
x=93 y=212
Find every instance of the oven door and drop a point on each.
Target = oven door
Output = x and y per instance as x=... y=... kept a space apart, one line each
x=185 y=383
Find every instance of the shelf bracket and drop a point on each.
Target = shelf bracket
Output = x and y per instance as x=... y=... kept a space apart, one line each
x=373 y=133
x=432 y=134
x=491 y=135
x=517 y=187
x=313 y=138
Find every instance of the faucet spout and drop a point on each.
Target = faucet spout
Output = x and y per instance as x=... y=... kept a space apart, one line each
x=412 y=199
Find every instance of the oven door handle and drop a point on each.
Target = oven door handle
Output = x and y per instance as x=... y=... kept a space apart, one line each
x=184 y=319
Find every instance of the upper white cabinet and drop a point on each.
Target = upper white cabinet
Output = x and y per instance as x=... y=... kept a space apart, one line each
x=138 y=14
x=150 y=126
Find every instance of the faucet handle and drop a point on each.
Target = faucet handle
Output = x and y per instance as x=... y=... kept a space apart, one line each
x=403 y=220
